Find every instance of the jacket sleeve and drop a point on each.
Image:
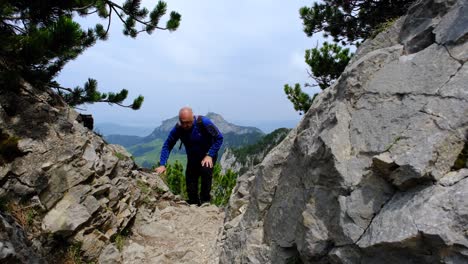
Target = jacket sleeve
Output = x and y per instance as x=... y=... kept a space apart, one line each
x=216 y=134
x=168 y=145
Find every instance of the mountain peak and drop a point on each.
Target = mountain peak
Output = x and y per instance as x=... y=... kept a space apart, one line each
x=223 y=125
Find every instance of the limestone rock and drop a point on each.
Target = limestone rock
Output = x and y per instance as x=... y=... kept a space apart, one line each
x=367 y=176
x=110 y=255
x=85 y=190
x=14 y=247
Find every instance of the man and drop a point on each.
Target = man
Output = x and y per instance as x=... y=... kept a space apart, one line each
x=202 y=141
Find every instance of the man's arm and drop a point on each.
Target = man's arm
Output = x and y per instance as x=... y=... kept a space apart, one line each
x=168 y=145
x=216 y=134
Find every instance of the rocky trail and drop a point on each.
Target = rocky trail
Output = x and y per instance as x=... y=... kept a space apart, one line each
x=170 y=231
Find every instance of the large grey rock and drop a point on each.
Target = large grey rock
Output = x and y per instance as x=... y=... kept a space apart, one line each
x=423 y=17
x=14 y=247
x=71 y=212
x=366 y=177
x=85 y=190
x=110 y=255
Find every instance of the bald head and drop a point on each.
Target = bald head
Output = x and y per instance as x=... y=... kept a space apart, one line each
x=186 y=117
x=185 y=111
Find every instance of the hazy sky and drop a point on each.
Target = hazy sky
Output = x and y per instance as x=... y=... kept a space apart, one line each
x=228 y=57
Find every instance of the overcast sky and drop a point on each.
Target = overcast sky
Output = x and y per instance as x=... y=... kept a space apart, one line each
x=228 y=57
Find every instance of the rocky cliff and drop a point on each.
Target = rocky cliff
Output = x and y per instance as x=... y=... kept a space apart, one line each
x=60 y=183
x=376 y=171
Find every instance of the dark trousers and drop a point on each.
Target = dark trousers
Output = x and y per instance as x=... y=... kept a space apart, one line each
x=192 y=173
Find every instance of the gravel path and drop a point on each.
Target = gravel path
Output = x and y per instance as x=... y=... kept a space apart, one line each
x=174 y=232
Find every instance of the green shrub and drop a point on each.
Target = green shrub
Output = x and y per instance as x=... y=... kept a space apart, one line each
x=119 y=155
x=8 y=148
x=462 y=159
x=222 y=186
x=175 y=179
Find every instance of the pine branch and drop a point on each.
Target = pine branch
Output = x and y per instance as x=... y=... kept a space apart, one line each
x=14 y=27
x=90 y=13
x=110 y=102
x=117 y=12
x=84 y=7
x=108 y=25
x=147 y=23
x=14 y=18
x=58 y=87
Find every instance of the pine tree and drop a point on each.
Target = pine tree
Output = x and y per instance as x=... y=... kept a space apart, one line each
x=348 y=22
x=37 y=39
x=326 y=65
x=223 y=184
x=175 y=178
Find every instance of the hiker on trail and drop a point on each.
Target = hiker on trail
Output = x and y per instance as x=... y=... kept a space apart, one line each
x=202 y=141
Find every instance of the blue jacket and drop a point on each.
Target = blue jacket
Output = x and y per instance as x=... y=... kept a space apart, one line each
x=201 y=140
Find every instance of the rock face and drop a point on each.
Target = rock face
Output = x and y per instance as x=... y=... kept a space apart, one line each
x=368 y=176
x=75 y=185
x=14 y=246
x=229 y=161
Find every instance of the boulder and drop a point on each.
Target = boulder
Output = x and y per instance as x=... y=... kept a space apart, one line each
x=368 y=175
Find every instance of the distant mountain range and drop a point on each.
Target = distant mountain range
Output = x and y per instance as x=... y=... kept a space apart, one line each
x=113 y=129
x=267 y=126
x=224 y=126
x=146 y=149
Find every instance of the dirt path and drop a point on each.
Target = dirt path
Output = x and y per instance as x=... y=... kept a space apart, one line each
x=174 y=232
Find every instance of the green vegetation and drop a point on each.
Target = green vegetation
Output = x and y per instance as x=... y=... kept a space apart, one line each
x=348 y=23
x=40 y=37
x=144 y=187
x=148 y=193
x=119 y=155
x=264 y=145
x=8 y=148
x=222 y=186
x=147 y=154
x=300 y=100
x=175 y=179
x=74 y=253
x=383 y=26
x=233 y=140
x=221 y=189
x=327 y=63
x=462 y=159
x=4 y=202
x=31 y=213
x=24 y=213
x=119 y=238
x=119 y=242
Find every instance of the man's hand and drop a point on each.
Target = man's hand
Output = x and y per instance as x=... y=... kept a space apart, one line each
x=207 y=162
x=160 y=169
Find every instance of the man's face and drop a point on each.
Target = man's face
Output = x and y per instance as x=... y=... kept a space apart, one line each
x=186 y=120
